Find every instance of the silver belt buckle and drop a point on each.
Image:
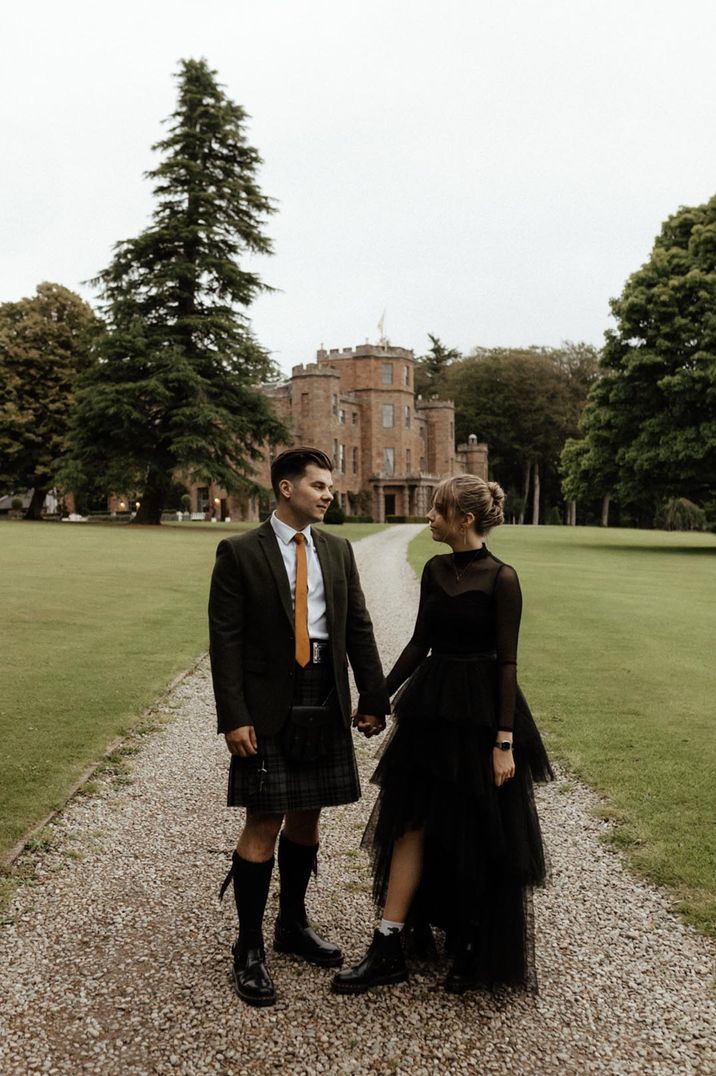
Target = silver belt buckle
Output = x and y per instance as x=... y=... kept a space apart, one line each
x=318 y=652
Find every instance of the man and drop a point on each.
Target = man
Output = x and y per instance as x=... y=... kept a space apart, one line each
x=286 y=611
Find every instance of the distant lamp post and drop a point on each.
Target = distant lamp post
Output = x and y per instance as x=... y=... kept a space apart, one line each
x=136 y=504
x=122 y=506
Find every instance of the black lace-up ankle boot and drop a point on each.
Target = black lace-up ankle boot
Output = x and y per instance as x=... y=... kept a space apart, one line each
x=384 y=963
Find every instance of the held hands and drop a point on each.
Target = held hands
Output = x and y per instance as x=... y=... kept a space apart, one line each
x=503 y=765
x=368 y=724
x=242 y=741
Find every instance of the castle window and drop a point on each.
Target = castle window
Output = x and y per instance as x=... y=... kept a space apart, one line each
x=389 y=460
x=342 y=417
x=452 y=431
x=342 y=459
x=355 y=461
x=388 y=416
x=386 y=373
x=422 y=463
x=335 y=451
x=335 y=404
x=354 y=418
x=407 y=460
x=407 y=416
x=407 y=376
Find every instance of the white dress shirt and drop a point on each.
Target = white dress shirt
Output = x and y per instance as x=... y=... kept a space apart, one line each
x=317 y=621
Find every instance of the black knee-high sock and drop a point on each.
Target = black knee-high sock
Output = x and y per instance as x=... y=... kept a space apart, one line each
x=295 y=863
x=251 y=887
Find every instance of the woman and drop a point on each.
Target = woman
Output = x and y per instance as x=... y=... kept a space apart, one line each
x=454 y=834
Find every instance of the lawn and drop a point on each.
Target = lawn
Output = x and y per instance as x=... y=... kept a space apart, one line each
x=617 y=661
x=96 y=621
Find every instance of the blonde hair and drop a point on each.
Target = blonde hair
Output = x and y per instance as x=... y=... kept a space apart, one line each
x=469 y=493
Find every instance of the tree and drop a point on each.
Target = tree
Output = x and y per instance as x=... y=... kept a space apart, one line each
x=430 y=368
x=45 y=344
x=650 y=425
x=175 y=390
x=524 y=403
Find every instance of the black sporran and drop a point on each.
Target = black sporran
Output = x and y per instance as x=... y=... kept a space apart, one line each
x=307 y=735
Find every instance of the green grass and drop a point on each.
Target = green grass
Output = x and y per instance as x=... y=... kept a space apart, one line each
x=96 y=621
x=617 y=662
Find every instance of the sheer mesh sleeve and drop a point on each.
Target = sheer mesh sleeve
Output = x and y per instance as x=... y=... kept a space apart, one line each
x=419 y=644
x=508 y=611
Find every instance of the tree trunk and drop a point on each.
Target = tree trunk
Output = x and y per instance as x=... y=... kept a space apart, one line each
x=152 y=500
x=535 y=495
x=605 y=510
x=34 y=508
x=525 y=490
x=572 y=513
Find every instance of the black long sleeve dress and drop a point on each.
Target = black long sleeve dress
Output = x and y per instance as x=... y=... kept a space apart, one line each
x=483 y=849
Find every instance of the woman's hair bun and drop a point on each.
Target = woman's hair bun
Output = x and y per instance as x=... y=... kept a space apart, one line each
x=470 y=493
x=498 y=494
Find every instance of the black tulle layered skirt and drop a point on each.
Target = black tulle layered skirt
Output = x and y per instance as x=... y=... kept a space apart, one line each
x=483 y=848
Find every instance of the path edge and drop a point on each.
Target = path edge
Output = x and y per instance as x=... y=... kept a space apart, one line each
x=11 y=857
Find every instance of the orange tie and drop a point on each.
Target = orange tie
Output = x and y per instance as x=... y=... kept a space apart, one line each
x=300 y=607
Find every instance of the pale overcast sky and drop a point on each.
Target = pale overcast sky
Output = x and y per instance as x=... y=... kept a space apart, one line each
x=490 y=172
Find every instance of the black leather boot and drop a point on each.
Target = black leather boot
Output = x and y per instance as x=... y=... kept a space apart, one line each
x=419 y=941
x=463 y=973
x=293 y=933
x=254 y=984
x=251 y=885
x=383 y=964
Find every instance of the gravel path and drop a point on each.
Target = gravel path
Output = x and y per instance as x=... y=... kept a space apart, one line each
x=116 y=958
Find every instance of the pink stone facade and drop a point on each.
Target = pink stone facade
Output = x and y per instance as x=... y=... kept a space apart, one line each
x=389 y=447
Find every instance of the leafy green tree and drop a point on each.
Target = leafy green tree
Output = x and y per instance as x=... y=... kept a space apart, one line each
x=524 y=403
x=650 y=425
x=45 y=344
x=431 y=367
x=175 y=390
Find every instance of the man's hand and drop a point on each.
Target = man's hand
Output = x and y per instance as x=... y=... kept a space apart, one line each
x=242 y=741
x=368 y=724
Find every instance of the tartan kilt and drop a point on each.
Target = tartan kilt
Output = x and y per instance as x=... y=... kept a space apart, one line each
x=272 y=783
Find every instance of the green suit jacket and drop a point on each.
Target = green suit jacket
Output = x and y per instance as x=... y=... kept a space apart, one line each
x=251 y=631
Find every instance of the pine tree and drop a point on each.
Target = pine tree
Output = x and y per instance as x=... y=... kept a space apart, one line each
x=175 y=391
x=431 y=367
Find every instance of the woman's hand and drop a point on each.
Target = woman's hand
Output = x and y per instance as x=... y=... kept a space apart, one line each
x=503 y=765
x=368 y=724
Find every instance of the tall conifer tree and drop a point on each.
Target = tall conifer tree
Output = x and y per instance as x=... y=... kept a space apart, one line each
x=175 y=390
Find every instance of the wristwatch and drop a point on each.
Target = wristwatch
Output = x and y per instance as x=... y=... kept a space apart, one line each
x=504 y=745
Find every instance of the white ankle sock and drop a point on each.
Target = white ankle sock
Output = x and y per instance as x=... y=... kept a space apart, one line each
x=387 y=926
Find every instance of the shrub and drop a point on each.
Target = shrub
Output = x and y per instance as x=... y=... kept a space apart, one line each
x=335 y=513
x=680 y=514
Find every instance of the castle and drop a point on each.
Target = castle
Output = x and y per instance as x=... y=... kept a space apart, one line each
x=389 y=447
